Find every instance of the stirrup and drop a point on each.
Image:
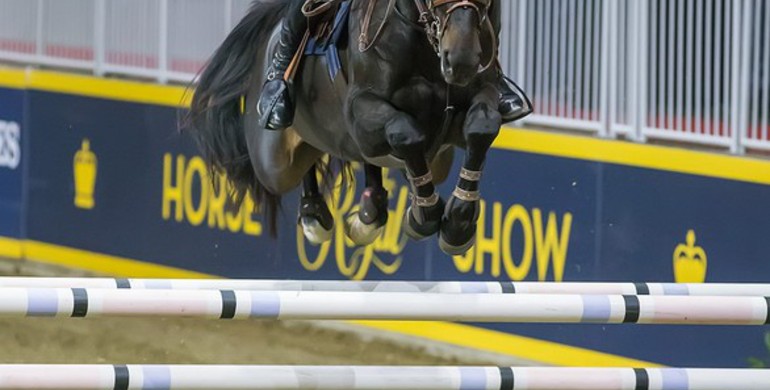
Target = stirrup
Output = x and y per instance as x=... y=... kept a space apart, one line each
x=524 y=105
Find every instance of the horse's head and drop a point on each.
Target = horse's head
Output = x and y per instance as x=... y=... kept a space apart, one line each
x=458 y=28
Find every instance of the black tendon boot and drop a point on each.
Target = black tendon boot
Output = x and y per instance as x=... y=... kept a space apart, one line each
x=276 y=106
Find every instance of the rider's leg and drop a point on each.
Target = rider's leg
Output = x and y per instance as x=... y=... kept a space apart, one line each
x=276 y=108
x=513 y=104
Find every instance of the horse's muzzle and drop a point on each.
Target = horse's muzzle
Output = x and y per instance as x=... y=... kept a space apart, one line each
x=459 y=73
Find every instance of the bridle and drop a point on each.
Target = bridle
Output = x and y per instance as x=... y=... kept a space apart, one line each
x=432 y=23
x=435 y=25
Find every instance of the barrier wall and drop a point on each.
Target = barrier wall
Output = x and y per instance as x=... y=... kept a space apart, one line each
x=111 y=186
x=11 y=165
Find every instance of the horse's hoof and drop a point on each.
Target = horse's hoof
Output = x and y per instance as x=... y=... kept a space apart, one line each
x=455 y=250
x=359 y=232
x=314 y=231
x=417 y=231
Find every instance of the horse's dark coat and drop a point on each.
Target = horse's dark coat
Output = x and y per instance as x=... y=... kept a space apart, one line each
x=391 y=115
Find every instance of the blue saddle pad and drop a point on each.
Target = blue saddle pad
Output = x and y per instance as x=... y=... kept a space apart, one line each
x=327 y=44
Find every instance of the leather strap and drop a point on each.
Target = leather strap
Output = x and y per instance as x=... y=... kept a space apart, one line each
x=468 y=196
x=426 y=202
x=364 y=43
x=291 y=70
x=422 y=180
x=313 y=8
x=469 y=175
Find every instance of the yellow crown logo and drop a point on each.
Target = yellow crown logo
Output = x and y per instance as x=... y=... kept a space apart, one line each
x=689 y=261
x=84 y=166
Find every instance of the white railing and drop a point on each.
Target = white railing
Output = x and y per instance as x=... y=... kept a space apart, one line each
x=666 y=69
x=676 y=70
x=166 y=40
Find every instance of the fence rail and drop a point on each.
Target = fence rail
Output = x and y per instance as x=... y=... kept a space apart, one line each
x=681 y=70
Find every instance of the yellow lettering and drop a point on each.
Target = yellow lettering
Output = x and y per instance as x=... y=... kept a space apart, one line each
x=491 y=245
x=217 y=202
x=550 y=245
x=250 y=226
x=517 y=213
x=390 y=240
x=180 y=189
x=195 y=215
x=234 y=220
x=172 y=193
x=464 y=263
x=319 y=260
x=342 y=243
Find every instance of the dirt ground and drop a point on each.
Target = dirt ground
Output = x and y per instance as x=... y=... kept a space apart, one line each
x=195 y=341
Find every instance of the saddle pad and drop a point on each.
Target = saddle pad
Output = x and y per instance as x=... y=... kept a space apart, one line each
x=326 y=42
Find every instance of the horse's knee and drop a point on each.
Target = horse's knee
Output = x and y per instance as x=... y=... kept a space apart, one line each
x=404 y=136
x=483 y=119
x=374 y=149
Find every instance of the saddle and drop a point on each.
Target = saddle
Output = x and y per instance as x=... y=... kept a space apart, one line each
x=327 y=31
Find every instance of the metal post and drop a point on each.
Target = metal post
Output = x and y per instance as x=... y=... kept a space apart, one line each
x=610 y=64
x=100 y=32
x=522 y=46
x=605 y=74
x=39 y=52
x=163 y=44
x=637 y=88
x=740 y=73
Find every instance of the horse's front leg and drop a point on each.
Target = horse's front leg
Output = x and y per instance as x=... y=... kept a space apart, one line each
x=365 y=224
x=372 y=116
x=482 y=125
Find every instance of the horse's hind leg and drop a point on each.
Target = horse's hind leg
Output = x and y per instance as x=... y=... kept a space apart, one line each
x=458 y=225
x=364 y=225
x=314 y=215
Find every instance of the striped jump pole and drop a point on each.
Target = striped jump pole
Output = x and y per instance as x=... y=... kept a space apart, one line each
x=197 y=377
x=657 y=289
x=331 y=305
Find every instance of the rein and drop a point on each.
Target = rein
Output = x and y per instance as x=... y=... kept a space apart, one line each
x=364 y=43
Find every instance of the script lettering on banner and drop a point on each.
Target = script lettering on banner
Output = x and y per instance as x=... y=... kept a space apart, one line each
x=353 y=262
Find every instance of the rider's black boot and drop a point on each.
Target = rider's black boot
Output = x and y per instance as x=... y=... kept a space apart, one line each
x=276 y=105
x=514 y=105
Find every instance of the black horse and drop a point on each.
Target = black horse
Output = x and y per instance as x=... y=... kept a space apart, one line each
x=402 y=106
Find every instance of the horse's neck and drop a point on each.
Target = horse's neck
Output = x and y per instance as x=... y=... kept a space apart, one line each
x=408 y=9
x=418 y=45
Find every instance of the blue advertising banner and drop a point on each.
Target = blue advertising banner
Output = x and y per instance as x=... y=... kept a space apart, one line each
x=12 y=136
x=116 y=178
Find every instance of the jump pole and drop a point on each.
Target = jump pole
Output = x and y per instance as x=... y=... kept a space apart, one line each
x=326 y=305
x=197 y=377
x=657 y=289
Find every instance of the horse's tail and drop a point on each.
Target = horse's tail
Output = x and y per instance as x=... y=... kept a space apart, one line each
x=215 y=120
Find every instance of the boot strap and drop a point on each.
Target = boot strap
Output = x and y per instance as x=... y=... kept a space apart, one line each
x=469 y=175
x=426 y=202
x=420 y=181
x=468 y=196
